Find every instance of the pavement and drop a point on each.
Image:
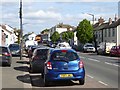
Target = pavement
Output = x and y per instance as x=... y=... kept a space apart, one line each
x=17 y=75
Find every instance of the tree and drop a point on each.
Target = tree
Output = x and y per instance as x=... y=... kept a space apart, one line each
x=70 y=34
x=45 y=31
x=55 y=37
x=84 y=31
x=17 y=33
x=66 y=36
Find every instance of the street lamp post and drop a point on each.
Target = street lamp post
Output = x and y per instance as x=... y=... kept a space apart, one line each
x=94 y=36
x=93 y=17
x=21 y=31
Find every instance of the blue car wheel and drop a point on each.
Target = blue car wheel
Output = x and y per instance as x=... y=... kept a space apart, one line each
x=46 y=83
x=81 y=81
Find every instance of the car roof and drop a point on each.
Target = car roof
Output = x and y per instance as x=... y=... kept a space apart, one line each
x=43 y=48
x=14 y=44
x=58 y=49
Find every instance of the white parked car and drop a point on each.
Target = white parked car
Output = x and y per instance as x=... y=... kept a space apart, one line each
x=63 y=45
x=88 y=47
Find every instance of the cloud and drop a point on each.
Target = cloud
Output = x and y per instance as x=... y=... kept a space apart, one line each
x=9 y=16
x=43 y=15
x=62 y=0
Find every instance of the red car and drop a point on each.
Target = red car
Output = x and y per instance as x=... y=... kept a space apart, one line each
x=115 y=51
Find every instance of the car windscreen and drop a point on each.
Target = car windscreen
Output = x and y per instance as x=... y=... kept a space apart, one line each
x=14 y=47
x=42 y=53
x=3 y=49
x=89 y=45
x=69 y=56
x=33 y=49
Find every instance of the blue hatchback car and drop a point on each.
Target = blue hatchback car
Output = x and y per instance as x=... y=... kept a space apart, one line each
x=63 y=64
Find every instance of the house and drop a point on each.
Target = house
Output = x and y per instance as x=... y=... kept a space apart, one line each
x=107 y=31
x=60 y=28
x=7 y=35
x=30 y=39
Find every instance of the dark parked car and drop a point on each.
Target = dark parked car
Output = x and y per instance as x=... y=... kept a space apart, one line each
x=63 y=64
x=14 y=49
x=28 y=47
x=115 y=51
x=37 y=62
x=30 y=51
x=5 y=56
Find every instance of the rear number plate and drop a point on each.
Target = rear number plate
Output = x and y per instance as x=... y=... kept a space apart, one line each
x=66 y=75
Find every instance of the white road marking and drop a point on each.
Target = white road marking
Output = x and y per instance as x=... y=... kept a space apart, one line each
x=82 y=57
x=103 y=83
x=116 y=65
x=109 y=57
x=93 y=60
x=90 y=76
x=108 y=63
x=112 y=64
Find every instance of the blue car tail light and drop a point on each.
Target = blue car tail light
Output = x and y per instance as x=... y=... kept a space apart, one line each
x=81 y=64
x=49 y=65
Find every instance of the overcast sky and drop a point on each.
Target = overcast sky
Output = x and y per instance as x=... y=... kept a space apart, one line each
x=39 y=15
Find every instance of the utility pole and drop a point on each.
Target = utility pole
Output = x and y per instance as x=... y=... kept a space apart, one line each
x=21 y=31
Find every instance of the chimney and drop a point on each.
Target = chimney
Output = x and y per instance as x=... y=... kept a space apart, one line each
x=110 y=21
x=116 y=18
x=100 y=21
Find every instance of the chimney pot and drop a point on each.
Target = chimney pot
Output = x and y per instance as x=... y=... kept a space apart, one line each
x=110 y=20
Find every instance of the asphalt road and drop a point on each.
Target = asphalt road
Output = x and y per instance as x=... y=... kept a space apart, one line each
x=98 y=74
x=102 y=68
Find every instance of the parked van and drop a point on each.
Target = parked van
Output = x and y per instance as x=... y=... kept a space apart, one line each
x=105 y=47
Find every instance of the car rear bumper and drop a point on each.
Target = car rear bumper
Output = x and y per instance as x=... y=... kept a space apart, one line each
x=5 y=62
x=89 y=50
x=55 y=76
x=37 y=67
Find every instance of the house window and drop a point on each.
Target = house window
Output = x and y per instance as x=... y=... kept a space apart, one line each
x=113 y=32
x=105 y=32
x=96 y=35
x=109 y=32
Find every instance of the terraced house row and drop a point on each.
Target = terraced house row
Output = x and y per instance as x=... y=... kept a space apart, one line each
x=107 y=31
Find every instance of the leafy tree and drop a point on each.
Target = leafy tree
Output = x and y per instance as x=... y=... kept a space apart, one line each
x=55 y=37
x=70 y=34
x=84 y=31
x=17 y=33
x=45 y=30
x=67 y=35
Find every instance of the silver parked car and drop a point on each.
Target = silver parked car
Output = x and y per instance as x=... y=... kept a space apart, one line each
x=14 y=49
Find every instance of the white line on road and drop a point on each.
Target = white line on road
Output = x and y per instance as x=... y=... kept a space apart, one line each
x=116 y=65
x=93 y=60
x=82 y=57
x=109 y=57
x=112 y=64
x=90 y=76
x=103 y=83
x=108 y=63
